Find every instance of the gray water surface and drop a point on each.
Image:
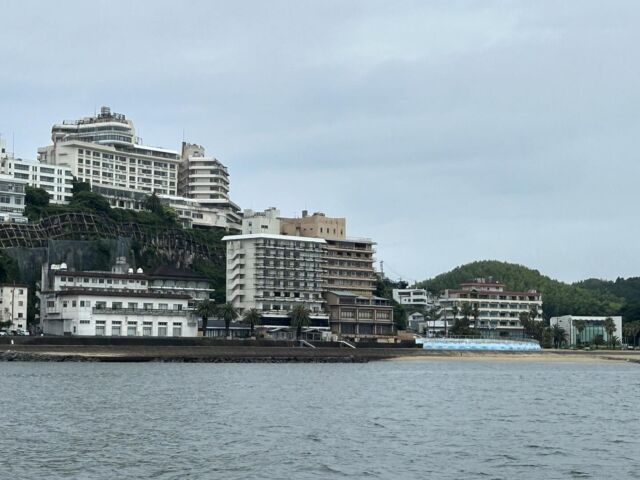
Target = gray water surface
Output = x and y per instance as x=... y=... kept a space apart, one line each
x=383 y=420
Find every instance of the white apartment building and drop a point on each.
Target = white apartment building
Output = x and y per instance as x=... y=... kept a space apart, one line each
x=12 y=193
x=13 y=306
x=272 y=273
x=498 y=309
x=261 y=222
x=191 y=214
x=112 y=303
x=103 y=150
x=206 y=180
x=583 y=330
x=414 y=296
x=55 y=179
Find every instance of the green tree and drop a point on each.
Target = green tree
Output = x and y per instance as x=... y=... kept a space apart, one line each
x=475 y=313
x=609 y=327
x=78 y=187
x=90 y=201
x=300 y=317
x=252 y=317
x=559 y=335
x=454 y=311
x=205 y=309
x=579 y=325
x=228 y=313
x=36 y=197
x=153 y=204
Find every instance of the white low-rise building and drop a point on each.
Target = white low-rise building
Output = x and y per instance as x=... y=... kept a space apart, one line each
x=112 y=303
x=13 y=306
x=584 y=330
x=261 y=222
x=414 y=296
x=12 y=194
x=55 y=179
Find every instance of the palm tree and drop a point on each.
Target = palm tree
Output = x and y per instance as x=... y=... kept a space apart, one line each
x=475 y=313
x=206 y=308
x=228 y=313
x=579 y=325
x=454 y=311
x=252 y=317
x=299 y=316
x=559 y=335
x=610 y=328
x=153 y=203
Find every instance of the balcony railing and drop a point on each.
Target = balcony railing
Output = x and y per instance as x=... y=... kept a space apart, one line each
x=141 y=311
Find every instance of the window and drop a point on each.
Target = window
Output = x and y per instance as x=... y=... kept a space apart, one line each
x=146 y=329
x=99 y=329
x=163 y=306
x=132 y=305
x=177 y=329
x=131 y=330
x=162 y=329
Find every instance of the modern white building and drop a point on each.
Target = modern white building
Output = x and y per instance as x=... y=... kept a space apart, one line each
x=12 y=193
x=116 y=303
x=261 y=222
x=103 y=150
x=498 y=309
x=55 y=179
x=193 y=215
x=584 y=330
x=272 y=273
x=414 y=296
x=13 y=306
x=206 y=180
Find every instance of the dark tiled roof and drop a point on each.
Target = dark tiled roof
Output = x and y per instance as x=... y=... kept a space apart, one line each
x=172 y=272
x=117 y=293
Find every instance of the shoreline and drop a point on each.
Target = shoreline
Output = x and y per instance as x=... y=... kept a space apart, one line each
x=279 y=354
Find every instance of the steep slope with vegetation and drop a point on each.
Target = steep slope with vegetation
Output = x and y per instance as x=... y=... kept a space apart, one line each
x=558 y=298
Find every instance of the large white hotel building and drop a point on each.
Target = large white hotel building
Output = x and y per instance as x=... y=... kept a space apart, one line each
x=104 y=151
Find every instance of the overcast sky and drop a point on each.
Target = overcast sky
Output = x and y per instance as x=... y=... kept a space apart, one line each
x=446 y=131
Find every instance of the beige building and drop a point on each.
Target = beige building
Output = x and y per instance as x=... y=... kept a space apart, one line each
x=348 y=261
x=356 y=317
x=317 y=225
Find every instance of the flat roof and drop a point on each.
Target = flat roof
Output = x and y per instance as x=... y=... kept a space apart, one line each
x=272 y=236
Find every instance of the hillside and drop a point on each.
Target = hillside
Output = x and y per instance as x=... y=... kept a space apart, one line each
x=558 y=298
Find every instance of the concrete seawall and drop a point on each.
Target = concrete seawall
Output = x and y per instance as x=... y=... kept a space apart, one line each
x=245 y=352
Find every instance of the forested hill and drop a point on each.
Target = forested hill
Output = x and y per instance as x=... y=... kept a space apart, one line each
x=628 y=288
x=558 y=298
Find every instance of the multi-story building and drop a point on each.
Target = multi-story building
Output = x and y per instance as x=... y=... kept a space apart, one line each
x=317 y=225
x=348 y=261
x=117 y=303
x=584 y=330
x=417 y=297
x=12 y=193
x=193 y=215
x=357 y=317
x=206 y=180
x=498 y=310
x=103 y=151
x=272 y=273
x=55 y=179
x=261 y=222
x=13 y=306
